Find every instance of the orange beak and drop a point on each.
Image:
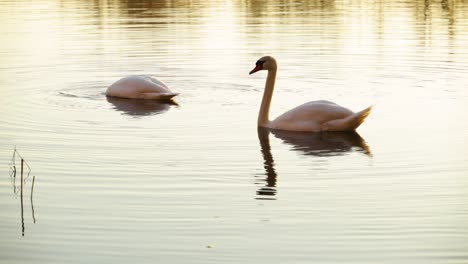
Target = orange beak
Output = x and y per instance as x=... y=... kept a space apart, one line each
x=256 y=69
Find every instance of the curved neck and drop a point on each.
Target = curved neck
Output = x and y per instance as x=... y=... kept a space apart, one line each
x=263 y=118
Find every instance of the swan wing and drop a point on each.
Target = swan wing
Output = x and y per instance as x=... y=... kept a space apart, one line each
x=138 y=87
x=310 y=116
x=347 y=123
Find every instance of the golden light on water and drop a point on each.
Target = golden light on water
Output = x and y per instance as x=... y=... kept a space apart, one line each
x=173 y=178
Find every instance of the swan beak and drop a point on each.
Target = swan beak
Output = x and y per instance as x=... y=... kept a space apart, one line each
x=256 y=69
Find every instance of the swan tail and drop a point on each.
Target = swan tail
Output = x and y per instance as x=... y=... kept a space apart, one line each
x=159 y=96
x=349 y=123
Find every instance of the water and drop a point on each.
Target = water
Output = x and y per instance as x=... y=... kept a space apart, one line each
x=119 y=181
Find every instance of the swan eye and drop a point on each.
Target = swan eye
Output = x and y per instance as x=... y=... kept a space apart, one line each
x=259 y=62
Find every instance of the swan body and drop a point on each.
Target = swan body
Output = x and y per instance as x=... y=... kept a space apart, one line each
x=314 y=116
x=140 y=87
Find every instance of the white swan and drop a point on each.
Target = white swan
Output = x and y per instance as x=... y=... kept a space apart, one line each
x=313 y=116
x=140 y=87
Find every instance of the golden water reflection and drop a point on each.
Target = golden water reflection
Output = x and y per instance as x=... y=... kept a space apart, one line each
x=173 y=174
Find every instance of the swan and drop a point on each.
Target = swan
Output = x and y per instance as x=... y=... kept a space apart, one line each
x=140 y=87
x=314 y=116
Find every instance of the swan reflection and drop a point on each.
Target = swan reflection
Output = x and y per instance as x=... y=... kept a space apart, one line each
x=268 y=190
x=137 y=107
x=323 y=143
x=306 y=143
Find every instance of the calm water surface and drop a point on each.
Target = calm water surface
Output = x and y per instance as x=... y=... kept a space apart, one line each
x=120 y=181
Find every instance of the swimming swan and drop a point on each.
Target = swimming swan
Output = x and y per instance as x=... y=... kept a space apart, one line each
x=313 y=116
x=140 y=87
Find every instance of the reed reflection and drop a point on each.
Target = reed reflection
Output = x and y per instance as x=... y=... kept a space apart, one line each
x=306 y=143
x=135 y=107
x=13 y=170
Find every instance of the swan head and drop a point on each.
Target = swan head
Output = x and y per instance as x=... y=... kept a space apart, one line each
x=264 y=63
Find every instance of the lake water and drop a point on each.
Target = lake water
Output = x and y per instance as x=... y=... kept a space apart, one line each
x=121 y=181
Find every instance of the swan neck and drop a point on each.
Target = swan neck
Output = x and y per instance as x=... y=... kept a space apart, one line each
x=263 y=116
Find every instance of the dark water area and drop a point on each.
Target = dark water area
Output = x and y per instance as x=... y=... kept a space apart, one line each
x=195 y=180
